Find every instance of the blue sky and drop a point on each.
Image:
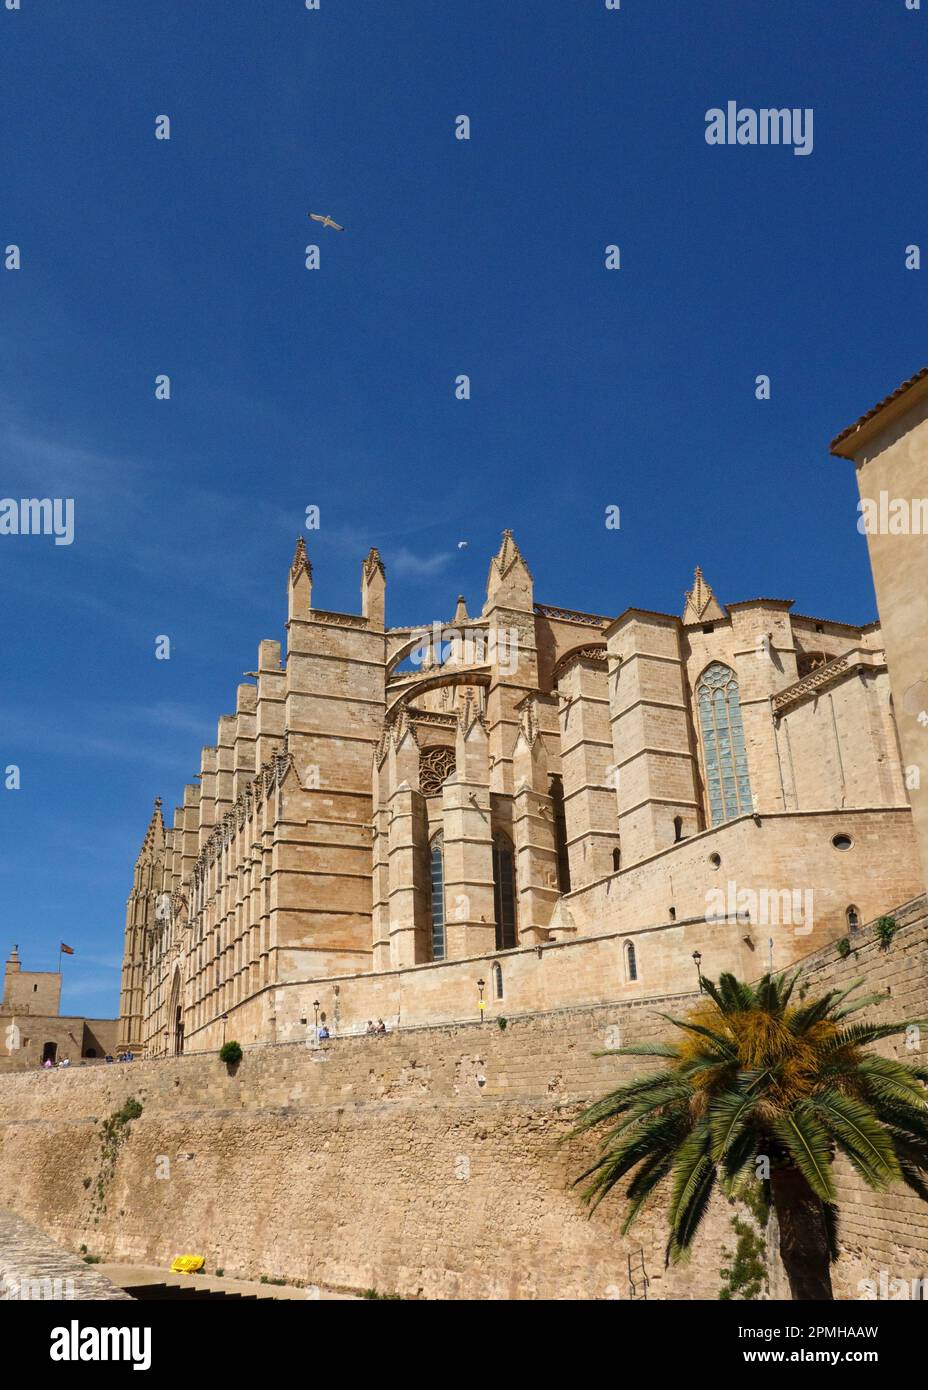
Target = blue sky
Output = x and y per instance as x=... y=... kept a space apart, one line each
x=335 y=387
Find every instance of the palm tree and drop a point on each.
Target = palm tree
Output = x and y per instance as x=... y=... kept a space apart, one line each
x=756 y=1077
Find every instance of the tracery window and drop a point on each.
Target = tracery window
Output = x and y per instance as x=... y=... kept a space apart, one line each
x=727 y=783
x=435 y=764
x=504 y=892
x=437 y=861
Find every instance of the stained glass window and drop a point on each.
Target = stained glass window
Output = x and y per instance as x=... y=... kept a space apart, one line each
x=504 y=893
x=728 y=786
x=438 y=897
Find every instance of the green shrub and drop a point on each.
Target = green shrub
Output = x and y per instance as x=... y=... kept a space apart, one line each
x=130 y=1111
x=885 y=928
x=502 y=1024
x=844 y=948
x=230 y=1053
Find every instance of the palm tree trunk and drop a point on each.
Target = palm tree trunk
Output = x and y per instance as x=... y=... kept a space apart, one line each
x=803 y=1238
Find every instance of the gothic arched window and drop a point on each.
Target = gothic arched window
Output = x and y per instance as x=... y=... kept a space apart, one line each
x=504 y=893
x=728 y=786
x=556 y=793
x=631 y=962
x=497 y=981
x=437 y=861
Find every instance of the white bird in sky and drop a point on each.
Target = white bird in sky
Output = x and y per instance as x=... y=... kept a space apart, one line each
x=326 y=221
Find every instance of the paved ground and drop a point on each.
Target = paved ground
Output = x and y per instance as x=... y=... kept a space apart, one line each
x=126 y=1276
x=33 y=1268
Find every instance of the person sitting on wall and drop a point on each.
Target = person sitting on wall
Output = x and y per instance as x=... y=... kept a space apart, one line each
x=381 y=1026
x=108 y=1057
x=130 y=1056
x=48 y=1064
x=370 y=1026
x=323 y=1033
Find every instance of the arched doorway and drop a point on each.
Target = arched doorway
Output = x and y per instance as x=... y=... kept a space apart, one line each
x=50 y=1052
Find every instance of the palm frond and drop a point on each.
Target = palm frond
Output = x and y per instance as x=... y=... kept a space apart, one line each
x=885 y=1078
x=858 y=1131
x=737 y=995
x=718 y=1040
x=691 y=1212
x=808 y=1142
x=667 y=1131
x=649 y=1176
x=786 y=987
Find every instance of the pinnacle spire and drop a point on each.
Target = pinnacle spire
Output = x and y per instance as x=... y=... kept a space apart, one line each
x=508 y=553
x=700 y=603
x=154 y=835
x=373 y=562
x=300 y=564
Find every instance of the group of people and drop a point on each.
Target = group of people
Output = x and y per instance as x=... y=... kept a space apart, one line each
x=373 y=1028
x=48 y=1064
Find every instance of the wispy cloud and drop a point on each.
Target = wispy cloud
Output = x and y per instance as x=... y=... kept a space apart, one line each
x=405 y=562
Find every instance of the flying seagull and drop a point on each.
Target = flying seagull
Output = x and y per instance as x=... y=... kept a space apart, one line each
x=326 y=221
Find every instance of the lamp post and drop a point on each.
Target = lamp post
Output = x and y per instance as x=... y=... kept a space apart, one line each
x=481 y=985
x=224 y=1020
x=697 y=958
x=315 y=1020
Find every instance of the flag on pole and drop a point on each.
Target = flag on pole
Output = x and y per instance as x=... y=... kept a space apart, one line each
x=67 y=950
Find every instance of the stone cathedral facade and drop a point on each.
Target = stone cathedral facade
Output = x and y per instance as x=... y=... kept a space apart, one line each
x=524 y=810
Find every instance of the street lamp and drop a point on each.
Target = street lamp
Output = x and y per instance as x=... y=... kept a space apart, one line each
x=696 y=961
x=316 y=1020
x=481 y=985
x=224 y=1019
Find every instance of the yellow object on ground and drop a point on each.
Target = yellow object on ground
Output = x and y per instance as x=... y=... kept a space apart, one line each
x=187 y=1264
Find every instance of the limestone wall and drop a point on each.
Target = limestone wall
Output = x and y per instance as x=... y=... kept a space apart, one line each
x=426 y=1162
